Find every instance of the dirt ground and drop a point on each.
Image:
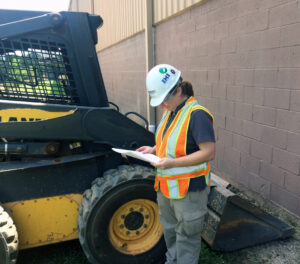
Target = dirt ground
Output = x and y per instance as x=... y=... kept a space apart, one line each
x=283 y=251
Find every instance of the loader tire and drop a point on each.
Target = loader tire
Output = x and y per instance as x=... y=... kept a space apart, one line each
x=8 y=239
x=118 y=218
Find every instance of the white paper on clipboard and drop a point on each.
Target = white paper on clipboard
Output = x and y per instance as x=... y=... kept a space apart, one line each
x=138 y=155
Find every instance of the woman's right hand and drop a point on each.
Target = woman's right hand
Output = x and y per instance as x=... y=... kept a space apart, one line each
x=146 y=150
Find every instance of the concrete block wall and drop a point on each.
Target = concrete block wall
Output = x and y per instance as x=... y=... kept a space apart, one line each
x=243 y=58
x=123 y=69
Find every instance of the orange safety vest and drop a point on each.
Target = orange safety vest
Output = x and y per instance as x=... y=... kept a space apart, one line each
x=174 y=182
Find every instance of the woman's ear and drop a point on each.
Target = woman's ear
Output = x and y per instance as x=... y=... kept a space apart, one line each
x=179 y=90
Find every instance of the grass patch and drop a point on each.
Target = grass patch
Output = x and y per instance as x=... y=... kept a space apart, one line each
x=71 y=253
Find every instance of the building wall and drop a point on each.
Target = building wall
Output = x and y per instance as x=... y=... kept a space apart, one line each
x=123 y=69
x=243 y=58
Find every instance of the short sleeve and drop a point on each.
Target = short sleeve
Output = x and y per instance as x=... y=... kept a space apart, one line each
x=201 y=127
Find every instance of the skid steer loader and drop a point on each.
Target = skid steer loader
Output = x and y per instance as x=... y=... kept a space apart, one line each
x=59 y=178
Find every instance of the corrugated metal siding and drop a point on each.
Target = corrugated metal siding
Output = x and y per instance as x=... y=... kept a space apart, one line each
x=85 y=6
x=125 y=18
x=73 y=6
x=163 y=9
x=122 y=19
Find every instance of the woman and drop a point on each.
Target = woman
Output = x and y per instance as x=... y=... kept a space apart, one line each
x=185 y=143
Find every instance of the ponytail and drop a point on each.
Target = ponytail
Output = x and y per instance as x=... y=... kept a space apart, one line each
x=187 y=88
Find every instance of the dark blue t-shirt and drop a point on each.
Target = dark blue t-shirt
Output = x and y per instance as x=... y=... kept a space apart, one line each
x=200 y=130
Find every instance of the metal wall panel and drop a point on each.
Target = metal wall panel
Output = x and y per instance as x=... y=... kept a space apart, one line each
x=122 y=19
x=163 y=9
x=125 y=18
x=73 y=5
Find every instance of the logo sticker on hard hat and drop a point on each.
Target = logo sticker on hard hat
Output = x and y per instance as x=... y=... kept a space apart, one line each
x=172 y=71
x=163 y=70
x=166 y=77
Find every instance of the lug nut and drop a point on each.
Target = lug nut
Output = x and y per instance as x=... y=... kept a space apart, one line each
x=122 y=216
x=121 y=226
x=141 y=209
x=131 y=209
x=127 y=233
x=145 y=225
x=146 y=216
x=137 y=232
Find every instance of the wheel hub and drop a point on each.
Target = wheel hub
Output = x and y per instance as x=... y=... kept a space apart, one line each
x=135 y=227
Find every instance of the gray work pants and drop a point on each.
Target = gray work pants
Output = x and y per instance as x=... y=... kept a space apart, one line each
x=182 y=221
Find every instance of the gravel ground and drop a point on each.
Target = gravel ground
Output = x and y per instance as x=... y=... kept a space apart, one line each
x=282 y=251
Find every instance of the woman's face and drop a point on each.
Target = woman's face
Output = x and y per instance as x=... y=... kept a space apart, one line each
x=173 y=101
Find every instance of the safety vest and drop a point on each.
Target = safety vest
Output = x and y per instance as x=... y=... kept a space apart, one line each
x=174 y=182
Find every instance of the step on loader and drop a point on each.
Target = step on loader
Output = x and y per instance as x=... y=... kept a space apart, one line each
x=59 y=178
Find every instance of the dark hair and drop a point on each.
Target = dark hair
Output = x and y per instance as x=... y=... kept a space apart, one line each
x=187 y=88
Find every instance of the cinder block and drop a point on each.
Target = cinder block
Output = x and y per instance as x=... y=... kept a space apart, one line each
x=225 y=137
x=284 y=14
x=213 y=76
x=270 y=38
x=228 y=45
x=233 y=124
x=213 y=17
x=289 y=57
x=286 y=160
x=289 y=78
x=232 y=155
x=290 y=35
x=254 y=95
x=225 y=107
x=227 y=76
x=289 y=120
x=285 y=198
x=264 y=115
x=238 y=26
x=250 y=163
x=219 y=120
x=278 y=98
x=274 y=136
x=295 y=100
x=244 y=77
x=243 y=176
x=292 y=183
x=213 y=47
x=188 y=25
x=246 y=7
x=266 y=58
x=241 y=143
x=243 y=111
x=221 y=30
x=272 y=173
x=235 y=93
x=251 y=41
x=260 y=185
x=219 y=90
x=252 y=130
x=261 y=151
x=258 y=20
x=205 y=33
x=265 y=77
x=293 y=142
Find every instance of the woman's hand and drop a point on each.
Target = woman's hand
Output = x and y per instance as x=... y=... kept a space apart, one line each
x=146 y=149
x=165 y=163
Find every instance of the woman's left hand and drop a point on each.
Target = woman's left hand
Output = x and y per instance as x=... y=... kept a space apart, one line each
x=164 y=163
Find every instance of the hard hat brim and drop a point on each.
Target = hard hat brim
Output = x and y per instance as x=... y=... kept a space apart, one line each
x=158 y=100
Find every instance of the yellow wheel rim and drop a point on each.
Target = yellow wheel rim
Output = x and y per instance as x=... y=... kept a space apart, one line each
x=135 y=228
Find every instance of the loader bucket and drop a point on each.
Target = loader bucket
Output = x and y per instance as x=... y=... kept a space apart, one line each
x=233 y=223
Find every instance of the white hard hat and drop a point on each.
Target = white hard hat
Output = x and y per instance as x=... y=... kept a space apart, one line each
x=160 y=81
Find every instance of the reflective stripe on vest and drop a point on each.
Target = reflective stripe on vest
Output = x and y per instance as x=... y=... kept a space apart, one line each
x=174 y=182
